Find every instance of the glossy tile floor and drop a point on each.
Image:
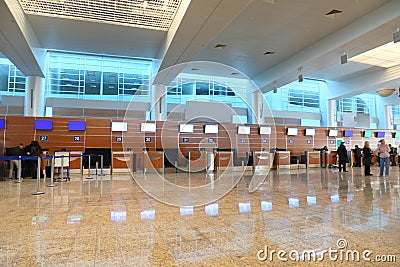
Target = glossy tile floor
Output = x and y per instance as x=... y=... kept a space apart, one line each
x=320 y=215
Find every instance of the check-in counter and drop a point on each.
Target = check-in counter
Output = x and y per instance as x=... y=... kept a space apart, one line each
x=75 y=162
x=224 y=160
x=262 y=160
x=313 y=159
x=153 y=160
x=282 y=159
x=332 y=158
x=123 y=161
x=197 y=161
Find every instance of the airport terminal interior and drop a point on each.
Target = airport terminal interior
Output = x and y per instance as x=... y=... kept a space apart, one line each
x=199 y=132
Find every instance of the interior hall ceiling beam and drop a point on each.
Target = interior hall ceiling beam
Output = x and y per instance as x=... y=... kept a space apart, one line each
x=366 y=82
x=18 y=41
x=193 y=28
x=287 y=71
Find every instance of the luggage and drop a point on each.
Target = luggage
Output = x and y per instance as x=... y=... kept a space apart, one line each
x=3 y=171
x=48 y=171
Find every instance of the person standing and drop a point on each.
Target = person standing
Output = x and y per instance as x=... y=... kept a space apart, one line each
x=393 y=152
x=342 y=153
x=357 y=156
x=367 y=159
x=383 y=151
x=36 y=151
x=15 y=152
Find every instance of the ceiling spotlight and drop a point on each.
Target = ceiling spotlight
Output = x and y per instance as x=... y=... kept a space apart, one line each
x=343 y=59
x=275 y=87
x=396 y=36
x=300 y=77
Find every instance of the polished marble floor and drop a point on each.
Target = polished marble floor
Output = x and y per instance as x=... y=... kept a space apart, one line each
x=318 y=217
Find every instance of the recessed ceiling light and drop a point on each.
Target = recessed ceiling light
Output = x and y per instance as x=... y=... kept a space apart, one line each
x=269 y=53
x=220 y=46
x=271 y=1
x=333 y=13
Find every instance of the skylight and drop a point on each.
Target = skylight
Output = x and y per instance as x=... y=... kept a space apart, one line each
x=386 y=56
x=149 y=14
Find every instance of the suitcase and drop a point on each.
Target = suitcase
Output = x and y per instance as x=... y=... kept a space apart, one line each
x=48 y=171
x=3 y=171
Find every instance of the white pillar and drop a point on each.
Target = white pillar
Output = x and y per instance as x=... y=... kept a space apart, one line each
x=332 y=114
x=34 y=96
x=388 y=117
x=257 y=106
x=159 y=103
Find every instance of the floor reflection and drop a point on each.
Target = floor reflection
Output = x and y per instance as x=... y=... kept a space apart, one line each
x=111 y=221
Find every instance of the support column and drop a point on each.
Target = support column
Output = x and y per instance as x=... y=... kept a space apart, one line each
x=332 y=114
x=388 y=117
x=257 y=106
x=34 y=96
x=159 y=103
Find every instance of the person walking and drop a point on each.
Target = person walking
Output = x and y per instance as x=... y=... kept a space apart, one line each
x=384 y=153
x=367 y=158
x=342 y=153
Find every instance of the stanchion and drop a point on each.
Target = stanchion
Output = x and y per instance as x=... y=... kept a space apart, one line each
x=101 y=166
x=38 y=179
x=52 y=173
x=89 y=171
x=97 y=166
x=19 y=170
x=62 y=168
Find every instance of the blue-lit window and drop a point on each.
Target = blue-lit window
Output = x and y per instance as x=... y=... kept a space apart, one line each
x=97 y=77
x=12 y=81
x=355 y=105
x=296 y=96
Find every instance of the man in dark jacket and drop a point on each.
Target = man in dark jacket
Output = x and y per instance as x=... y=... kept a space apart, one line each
x=14 y=152
x=342 y=153
x=357 y=156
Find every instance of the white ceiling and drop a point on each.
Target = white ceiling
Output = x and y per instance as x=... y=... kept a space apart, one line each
x=296 y=30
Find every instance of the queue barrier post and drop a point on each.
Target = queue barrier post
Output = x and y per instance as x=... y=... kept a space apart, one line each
x=97 y=166
x=89 y=171
x=19 y=169
x=52 y=160
x=37 y=192
x=62 y=168
x=101 y=166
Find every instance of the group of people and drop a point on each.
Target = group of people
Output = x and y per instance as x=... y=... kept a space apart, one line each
x=383 y=152
x=28 y=167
